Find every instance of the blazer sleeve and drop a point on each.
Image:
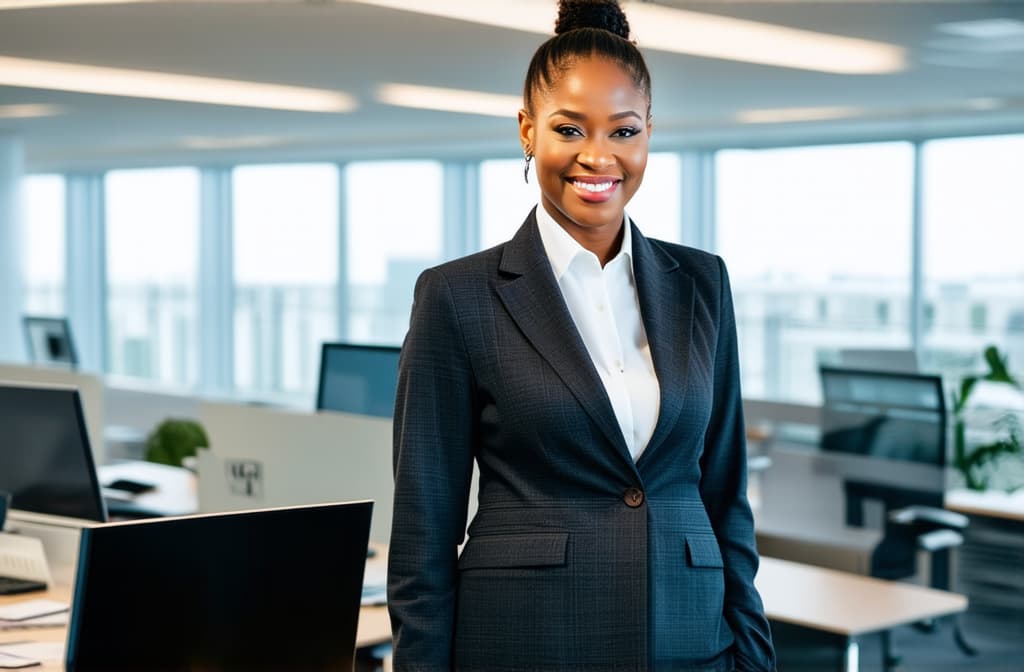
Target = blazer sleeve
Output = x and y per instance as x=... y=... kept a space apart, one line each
x=723 y=490
x=433 y=465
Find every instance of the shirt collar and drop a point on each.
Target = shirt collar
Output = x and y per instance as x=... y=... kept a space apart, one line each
x=562 y=248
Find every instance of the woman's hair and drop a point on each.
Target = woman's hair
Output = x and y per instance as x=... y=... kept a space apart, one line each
x=586 y=28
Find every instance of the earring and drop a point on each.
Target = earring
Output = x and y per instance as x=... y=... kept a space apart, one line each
x=526 y=168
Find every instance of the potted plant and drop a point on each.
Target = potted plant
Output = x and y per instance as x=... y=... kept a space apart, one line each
x=173 y=440
x=977 y=461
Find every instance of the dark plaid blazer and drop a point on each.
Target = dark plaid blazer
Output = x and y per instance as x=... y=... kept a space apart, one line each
x=577 y=559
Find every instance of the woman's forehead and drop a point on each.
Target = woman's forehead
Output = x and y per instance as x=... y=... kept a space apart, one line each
x=594 y=81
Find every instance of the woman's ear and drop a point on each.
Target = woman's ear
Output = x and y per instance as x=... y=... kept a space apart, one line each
x=527 y=131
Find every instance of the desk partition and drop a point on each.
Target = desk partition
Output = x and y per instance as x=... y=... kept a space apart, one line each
x=262 y=456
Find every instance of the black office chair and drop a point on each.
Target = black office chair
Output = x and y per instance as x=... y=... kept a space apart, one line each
x=893 y=418
x=917 y=525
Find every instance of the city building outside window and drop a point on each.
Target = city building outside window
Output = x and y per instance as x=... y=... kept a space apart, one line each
x=973 y=218
x=814 y=239
x=395 y=229
x=152 y=236
x=43 y=237
x=285 y=231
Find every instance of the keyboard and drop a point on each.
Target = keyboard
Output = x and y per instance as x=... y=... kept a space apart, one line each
x=11 y=586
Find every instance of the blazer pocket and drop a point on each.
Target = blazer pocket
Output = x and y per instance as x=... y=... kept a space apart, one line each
x=542 y=549
x=702 y=551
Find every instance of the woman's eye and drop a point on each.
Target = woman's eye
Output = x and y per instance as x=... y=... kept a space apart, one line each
x=568 y=130
x=628 y=132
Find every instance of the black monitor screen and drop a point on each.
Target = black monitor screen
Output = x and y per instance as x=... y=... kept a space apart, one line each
x=45 y=459
x=277 y=589
x=896 y=416
x=358 y=379
x=49 y=340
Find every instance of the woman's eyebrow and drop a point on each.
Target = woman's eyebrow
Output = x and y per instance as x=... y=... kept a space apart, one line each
x=579 y=116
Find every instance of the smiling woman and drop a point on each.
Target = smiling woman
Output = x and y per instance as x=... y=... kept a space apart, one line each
x=590 y=146
x=591 y=373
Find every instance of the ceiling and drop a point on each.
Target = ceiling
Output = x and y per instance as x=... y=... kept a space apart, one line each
x=953 y=84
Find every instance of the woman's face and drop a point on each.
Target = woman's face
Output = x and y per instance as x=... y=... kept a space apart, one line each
x=589 y=135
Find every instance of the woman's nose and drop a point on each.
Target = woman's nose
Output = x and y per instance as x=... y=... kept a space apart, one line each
x=596 y=155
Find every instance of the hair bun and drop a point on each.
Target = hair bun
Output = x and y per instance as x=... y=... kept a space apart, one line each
x=604 y=14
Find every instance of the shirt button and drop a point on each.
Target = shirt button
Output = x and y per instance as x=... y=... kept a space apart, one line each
x=600 y=307
x=633 y=497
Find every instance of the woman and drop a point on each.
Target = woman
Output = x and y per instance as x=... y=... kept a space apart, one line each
x=592 y=375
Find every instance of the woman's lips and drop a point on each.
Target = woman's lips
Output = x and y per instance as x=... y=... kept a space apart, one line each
x=594 y=189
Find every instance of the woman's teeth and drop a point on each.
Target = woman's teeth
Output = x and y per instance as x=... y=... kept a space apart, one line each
x=592 y=187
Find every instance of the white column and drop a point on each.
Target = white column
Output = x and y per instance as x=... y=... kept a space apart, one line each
x=86 y=274
x=698 y=189
x=11 y=279
x=216 y=282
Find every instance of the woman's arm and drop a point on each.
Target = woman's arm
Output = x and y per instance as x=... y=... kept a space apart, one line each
x=723 y=490
x=433 y=465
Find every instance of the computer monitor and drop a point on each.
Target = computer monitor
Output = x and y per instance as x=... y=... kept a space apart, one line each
x=49 y=341
x=884 y=414
x=46 y=462
x=359 y=379
x=271 y=589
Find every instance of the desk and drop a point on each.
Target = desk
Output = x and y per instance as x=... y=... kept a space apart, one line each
x=844 y=604
x=176 y=488
x=991 y=503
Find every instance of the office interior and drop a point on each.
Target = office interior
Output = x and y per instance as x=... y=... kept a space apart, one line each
x=209 y=192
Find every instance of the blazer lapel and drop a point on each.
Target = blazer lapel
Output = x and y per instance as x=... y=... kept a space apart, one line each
x=533 y=299
x=666 y=307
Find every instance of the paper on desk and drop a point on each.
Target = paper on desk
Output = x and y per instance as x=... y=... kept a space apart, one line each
x=8 y=662
x=375 y=585
x=48 y=621
x=26 y=654
x=23 y=611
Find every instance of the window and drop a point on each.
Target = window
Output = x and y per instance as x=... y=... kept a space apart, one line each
x=395 y=230
x=44 y=244
x=505 y=199
x=152 y=233
x=286 y=275
x=973 y=216
x=657 y=205
x=811 y=227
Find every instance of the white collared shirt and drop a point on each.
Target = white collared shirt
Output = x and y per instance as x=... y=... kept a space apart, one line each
x=606 y=309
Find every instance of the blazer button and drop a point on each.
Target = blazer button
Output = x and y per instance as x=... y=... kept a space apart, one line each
x=633 y=497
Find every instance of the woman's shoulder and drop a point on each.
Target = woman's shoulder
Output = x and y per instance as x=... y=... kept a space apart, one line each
x=692 y=260
x=471 y=269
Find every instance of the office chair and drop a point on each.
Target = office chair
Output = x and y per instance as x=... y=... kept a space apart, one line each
x=891 y=418
x=909 y=531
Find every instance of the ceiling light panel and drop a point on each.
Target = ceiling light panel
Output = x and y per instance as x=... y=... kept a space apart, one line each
x=35 y=74
x=449 y=100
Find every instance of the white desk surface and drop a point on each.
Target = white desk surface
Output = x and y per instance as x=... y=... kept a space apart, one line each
x=176 y=489
x=846 y=604
x=995 y=504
